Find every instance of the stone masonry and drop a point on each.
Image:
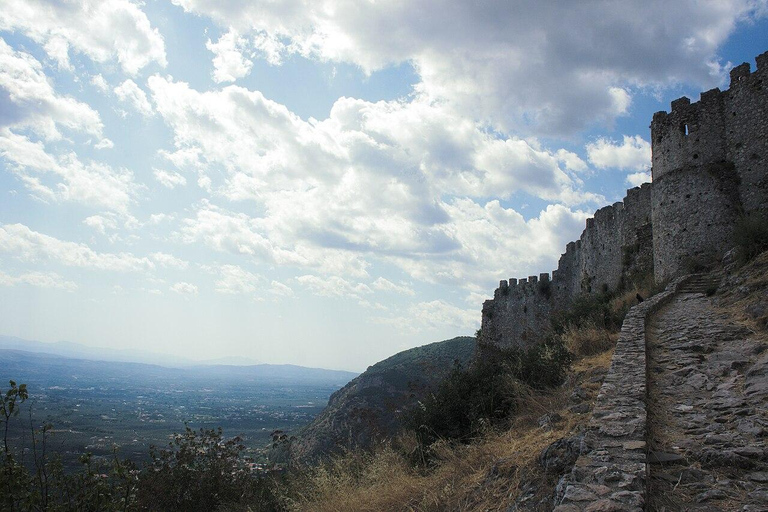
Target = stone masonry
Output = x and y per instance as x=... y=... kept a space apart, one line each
x=707 y=410
x=614 y=249
x=710 y=166
x=611 y=473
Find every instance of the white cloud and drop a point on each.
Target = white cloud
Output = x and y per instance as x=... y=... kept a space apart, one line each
x=236 y=280
x=280 y=289
x=437 y=314
x=100 y=83
x=239 y=234
x=169 y=179
x=101 y=223
x=638 y=178
x=158 y=218
x=38 y=279
x=90 y=183
x=28 y=100
x=104 y=144
x=101 y=29
x=433 y=315
x=130 y=93
x=185 y=289
x=334 y=286
x=269 y=47
x=386 y=285
x=169 y=261
x=494 y=60
x=411 y=147
x=30 y=246
x=386 y=183
x=633 y=153
x=229 y=62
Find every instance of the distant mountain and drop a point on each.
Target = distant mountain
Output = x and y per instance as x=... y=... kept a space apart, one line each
x=46 y=368
x=371 y=406
x=230 y=361
x=78 y=351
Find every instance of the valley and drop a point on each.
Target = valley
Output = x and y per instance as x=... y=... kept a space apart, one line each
x=95 y=406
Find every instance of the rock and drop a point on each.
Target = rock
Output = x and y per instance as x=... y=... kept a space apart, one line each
x=634 y=445
x=655 y=457
x=758 y=476
x=761 y=496
x=712 y=494
x=582 y=408
x=698 y=380
x=559 y=457
x=578 y=493
x=731 y=258
x=605 y=506
x=720 y=458
x=548 y=421
x=757 y=310
x=364 y=410
x=579 y=394
x=751 y=452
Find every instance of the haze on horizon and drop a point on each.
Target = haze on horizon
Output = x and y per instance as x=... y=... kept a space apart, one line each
x=320 y=183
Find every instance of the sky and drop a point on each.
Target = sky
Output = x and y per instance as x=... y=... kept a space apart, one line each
x=317 y=182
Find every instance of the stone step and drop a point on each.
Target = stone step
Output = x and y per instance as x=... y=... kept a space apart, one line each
x=701 y=283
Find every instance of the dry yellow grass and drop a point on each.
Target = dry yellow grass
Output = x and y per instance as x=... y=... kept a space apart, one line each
x=486 y=475
x=588 y=339
x=748 y=288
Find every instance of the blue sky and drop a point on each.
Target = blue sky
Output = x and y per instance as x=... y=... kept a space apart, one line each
x=320 y=183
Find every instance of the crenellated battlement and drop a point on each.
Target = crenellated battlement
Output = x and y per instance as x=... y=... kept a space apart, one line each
x=693 y=134
x=522 y=307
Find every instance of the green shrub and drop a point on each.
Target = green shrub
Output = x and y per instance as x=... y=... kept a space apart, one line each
x=587 y=309
x=487 y=393
x=751 y=236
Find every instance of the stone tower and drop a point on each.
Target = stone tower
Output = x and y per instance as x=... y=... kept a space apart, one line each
x=709 y=168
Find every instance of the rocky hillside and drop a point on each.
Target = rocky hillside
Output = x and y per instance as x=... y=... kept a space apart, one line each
x=371 y=406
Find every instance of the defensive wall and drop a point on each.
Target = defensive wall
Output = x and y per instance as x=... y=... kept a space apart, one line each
x=615 y=248
x=709 y=167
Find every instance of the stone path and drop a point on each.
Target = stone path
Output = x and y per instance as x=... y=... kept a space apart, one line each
x=707 y=410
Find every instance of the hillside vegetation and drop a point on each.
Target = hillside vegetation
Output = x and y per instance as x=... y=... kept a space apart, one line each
x=497 y=433
x=371 y=407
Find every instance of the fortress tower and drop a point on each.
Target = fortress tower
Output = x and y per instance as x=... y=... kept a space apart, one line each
x=709 y=167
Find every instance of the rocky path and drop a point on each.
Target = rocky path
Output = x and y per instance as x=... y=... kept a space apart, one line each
x=707 y=410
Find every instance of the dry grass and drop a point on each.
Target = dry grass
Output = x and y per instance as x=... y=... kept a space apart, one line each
x=486 y=475
x=747 y=289
x=645 y=288
x=588 y=340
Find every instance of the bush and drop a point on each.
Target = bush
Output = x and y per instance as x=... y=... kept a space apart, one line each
x=589 y=309
x=201 y=471
x=751 y=236
x=487 y=393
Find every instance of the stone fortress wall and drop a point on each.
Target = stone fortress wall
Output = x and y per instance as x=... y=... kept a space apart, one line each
x=615 y=245
x=709 y=166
